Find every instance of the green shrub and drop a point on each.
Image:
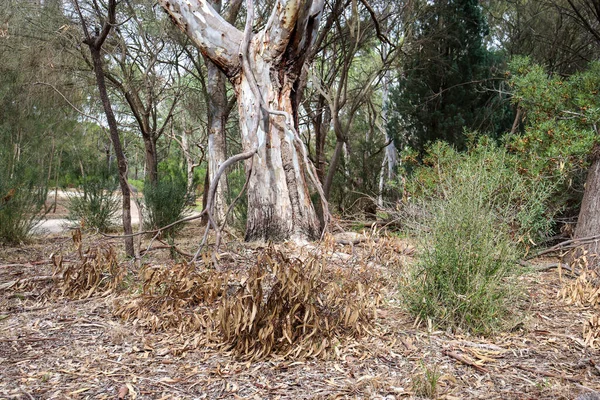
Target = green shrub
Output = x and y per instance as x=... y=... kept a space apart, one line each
x=22 y=198
x=138 y=184
x=236 y=180
x=166 y=202
x=474 y=220
x=95 y=204
x=520 y=202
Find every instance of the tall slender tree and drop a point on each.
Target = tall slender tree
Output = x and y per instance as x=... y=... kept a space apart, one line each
x=94 y=41
x=441 y=88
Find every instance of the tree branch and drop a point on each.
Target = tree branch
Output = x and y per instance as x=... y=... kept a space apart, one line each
x=216 y=38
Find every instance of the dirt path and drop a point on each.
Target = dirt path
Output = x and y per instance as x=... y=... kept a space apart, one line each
x=58 y=222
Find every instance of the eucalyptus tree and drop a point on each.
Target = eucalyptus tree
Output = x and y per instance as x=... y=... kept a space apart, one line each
x=265 y=70
x=541 y=30
x=32 y=116
x=346 y=84
x=144 y=70
x=105 y=20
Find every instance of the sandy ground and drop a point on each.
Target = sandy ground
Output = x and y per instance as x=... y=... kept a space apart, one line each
x=57 y=222
x=58 y=225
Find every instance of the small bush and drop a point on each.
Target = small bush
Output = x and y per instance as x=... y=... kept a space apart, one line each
x=425 y=384
x=479 y=211
x=166 y=202
x=22 y=198
x=95 y=204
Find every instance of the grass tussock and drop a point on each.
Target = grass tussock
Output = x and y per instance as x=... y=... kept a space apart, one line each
x=425 y=383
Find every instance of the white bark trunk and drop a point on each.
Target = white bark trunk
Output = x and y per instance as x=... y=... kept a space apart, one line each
x=279 y=204
x=217 y=149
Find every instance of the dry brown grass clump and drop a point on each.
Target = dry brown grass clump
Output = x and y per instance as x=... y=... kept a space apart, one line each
x=96 y=270
x=296 y=308
x=585 y=291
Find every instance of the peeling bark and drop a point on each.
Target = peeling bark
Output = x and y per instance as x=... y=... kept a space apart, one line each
x=217 y=145
x=279 y=204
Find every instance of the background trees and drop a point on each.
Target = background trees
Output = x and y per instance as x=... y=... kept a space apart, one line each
x=352 y=84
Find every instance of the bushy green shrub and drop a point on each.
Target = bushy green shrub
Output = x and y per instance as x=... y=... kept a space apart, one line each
x=95 y=204
x=166 y=201
x=477 y=216
x=236 y=180
x=559 y=127
x=22 y=197
x=521 y=202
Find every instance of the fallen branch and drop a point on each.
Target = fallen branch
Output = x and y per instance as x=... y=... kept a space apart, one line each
x=465 y=361
x=8 y=285
x=547 y=374
x=546 y=267
x=567 y=244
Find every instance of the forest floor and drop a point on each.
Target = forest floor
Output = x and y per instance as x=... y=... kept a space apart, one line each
x=55 y=347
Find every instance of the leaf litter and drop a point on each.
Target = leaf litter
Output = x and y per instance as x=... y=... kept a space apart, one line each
x=289 y=322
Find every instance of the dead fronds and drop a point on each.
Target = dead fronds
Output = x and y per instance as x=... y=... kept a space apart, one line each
x=296 y=308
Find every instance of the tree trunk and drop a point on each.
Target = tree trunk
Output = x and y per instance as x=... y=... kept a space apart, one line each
x=116 y=141
x=391 y=153
x=279 y=203
x=217 y=149
x=321 y=127
x=335 y=159
x=151 y=159
x=588 y=223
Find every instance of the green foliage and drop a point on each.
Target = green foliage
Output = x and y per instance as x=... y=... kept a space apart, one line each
x=561 y=116
x=22 y=197
x=478 y=215
x=138 y=184
x=425 y=384
x=95 y=204
x=521 y=202
x=443 y=86
x=166 y=201
x=236 y=180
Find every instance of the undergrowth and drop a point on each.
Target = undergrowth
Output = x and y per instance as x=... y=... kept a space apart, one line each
x=95 y=204
x=166 y=202
x=281 y=306
x=478 y=219
x=22 y=197
x=96 y=270
x=296 y=308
